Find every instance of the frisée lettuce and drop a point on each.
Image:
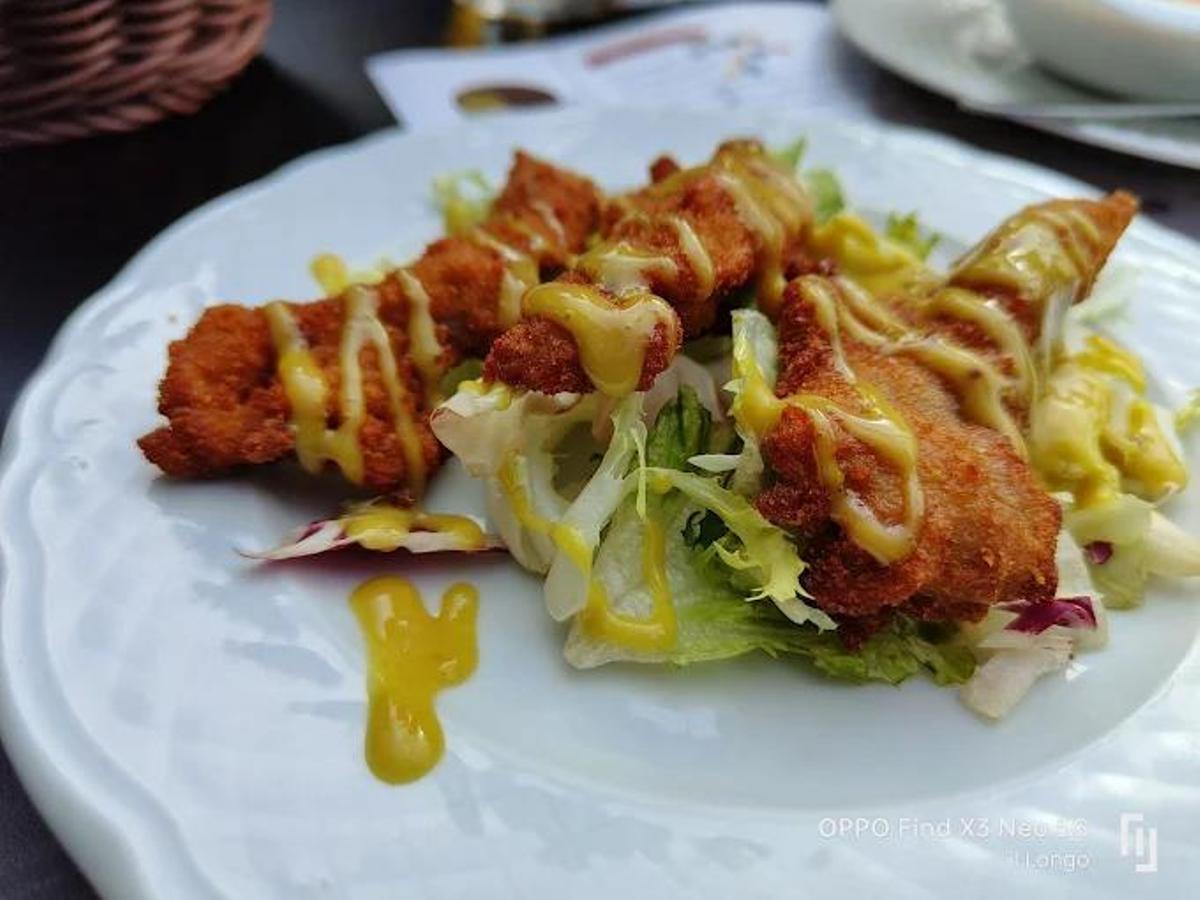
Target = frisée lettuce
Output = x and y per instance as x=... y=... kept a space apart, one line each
x=733 y=577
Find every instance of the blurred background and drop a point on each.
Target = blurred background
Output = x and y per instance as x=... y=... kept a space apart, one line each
x=119 y=116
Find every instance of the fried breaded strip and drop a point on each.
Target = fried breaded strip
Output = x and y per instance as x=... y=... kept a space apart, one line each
x=1018 y=267
x=544 y=211
x=687 y=216
x=988 y=532
x=227 y=407
x=541 y=355
x=222 y=395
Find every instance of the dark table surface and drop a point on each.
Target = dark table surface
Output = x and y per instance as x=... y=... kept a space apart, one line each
x=70 y=217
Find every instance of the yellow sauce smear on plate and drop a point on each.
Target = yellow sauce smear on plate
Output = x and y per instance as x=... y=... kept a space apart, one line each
x=411 y=655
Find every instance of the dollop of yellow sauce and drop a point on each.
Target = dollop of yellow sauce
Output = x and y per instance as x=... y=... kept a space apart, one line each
x=307 y=392
x=385 y=526
x=411 y=656
x=612 y=334
x=1094 y=433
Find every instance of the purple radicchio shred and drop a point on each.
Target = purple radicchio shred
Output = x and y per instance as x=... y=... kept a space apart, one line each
x=1034 y=618
x=1098 y=552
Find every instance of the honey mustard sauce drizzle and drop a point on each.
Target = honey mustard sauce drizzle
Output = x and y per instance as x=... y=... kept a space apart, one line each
x=547 y=214
x=658 y=629
x=1044 y=256
x=980 y=386
x=612 y=334
x=1040 y=253
x=770 y=202
x=307 y=392
x=696 y=254
x=774 y=206
x=520 y=273
x=654 y=632
x=411 y=656
x=424 y=346
x=881 y=428
x=622 y=268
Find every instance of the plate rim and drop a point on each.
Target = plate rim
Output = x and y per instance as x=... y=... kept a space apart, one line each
x=893 y=63
x=83 y=824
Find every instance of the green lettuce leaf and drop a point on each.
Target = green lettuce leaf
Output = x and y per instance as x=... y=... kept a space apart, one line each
x=681 y=431
x=826 y=192
x=464 y=198
x=789 y=155
x=906 y=230
x=721 y=627
x=823 y=186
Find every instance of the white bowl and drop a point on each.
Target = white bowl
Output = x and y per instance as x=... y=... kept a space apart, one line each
x=1138 y=48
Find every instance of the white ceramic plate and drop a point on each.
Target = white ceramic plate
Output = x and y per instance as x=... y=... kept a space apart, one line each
x=191 y=724
x=965 y=49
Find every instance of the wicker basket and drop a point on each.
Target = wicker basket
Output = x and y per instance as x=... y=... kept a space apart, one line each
x=71 y=68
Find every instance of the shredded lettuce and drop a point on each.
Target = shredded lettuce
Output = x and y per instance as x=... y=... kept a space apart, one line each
x=722 y=561
x=906 y=230
x=1188 y=415
x=1109 y=299
x=683 y=373
x=822 y=184
x=755 y=354
x=510 y=439
x=738 y=558
x=1001 y=682
x=724 y=627
x=763 y=553
x=1140 y=542
x=789 y=155
x=826 y=192
x=1171 y=551
x=464 y=198
x=1015 y=650
x=577 y=532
